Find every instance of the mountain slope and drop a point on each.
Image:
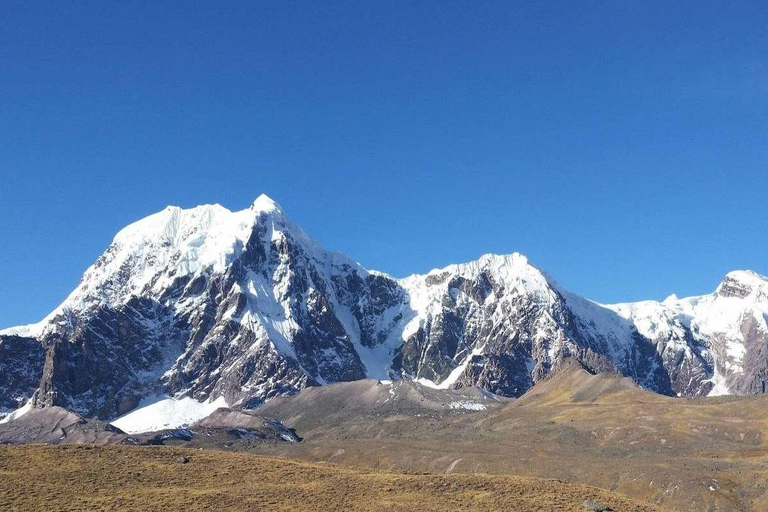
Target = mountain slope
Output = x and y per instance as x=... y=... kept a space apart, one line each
x=240 y=307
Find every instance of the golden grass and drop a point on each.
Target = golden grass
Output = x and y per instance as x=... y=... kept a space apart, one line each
x=75 y=478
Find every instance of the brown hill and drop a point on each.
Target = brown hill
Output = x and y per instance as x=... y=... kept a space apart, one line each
x=158 y=478
x=56 y=425
x=600 y=430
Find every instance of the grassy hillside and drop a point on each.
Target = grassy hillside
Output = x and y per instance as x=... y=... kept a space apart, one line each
x=599 y=430
x=35 y=477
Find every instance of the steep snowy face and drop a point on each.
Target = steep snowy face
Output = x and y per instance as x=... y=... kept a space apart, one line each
x=712 y=344
x=145 y=257
x=210 y=303
x=288 y=314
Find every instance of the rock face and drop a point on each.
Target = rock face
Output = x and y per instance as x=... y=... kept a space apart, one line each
x=21 y=365
x=209 y=303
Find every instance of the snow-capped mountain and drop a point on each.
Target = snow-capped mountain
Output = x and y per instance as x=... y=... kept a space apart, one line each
x=238 y=307
x=715 y=344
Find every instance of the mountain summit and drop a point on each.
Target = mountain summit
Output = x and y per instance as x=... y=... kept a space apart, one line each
x=239 y=307
x=264 y=203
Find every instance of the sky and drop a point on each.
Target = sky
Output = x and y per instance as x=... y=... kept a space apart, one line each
x=622 y=146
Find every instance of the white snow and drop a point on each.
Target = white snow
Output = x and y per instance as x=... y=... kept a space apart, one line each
x=377 y=359
x=426 y=293
x=719 y=387
x=467 y=405
x=264 y=203
x=171 y=243
x=166 y=413
x=186 y=241
x=25 y=331
x=426 y=382
x=452 y=377
x=18 y=413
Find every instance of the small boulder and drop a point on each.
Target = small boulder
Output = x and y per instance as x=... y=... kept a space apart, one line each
x=181 y=459
x=596 y=506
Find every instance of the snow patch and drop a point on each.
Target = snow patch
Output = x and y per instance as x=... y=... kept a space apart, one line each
x=18 y=413
x=467 y=405
x=25 y=331
x=165 y=413
x=264 y=203
x=719 y=387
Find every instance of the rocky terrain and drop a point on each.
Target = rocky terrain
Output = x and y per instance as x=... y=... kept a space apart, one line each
x=240 y=307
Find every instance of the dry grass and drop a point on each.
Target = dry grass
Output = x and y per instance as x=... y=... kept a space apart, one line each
x=602 y=431
x=35 y=477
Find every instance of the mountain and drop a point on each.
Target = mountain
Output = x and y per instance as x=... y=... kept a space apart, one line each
x=715 y=344
x=239 y=307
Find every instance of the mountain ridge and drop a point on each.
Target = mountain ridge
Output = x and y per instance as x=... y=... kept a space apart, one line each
x=210 y=303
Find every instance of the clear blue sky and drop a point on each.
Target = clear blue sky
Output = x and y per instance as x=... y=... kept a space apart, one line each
x=622 y=146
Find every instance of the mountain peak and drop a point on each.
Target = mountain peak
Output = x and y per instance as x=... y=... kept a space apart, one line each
x=513 y=269
x=743 y=283
x=746 y=275
x=264 y=203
